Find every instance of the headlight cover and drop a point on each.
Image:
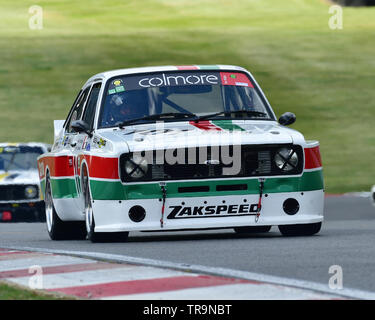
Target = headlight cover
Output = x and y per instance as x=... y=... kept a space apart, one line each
x=31 y=192
x=136 y=167
x=286 y=159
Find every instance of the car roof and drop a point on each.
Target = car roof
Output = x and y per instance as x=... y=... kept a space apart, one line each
x=120 y=72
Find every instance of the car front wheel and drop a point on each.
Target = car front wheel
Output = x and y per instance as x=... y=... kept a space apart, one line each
x=90 y=221
x=57 y=228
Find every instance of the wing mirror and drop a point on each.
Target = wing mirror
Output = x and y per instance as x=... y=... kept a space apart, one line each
x=287 y=118
x=80 y=126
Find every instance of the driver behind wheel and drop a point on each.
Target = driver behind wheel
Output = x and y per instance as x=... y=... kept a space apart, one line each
x=126 y=106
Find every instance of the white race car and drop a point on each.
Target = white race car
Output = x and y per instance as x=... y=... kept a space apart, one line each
x=178 y=148
x=373 y=195
x=20 y=196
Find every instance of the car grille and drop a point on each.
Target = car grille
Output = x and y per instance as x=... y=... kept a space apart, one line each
x=254 y=161
x=14 y=193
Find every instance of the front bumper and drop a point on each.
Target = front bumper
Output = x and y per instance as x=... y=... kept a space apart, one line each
x=234 y=211
x=22 y=212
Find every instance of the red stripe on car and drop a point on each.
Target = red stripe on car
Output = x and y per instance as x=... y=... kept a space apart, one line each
x=62 y=166
x=312 y=158
x=104 y=168
x=205 y=125
x=187 y=67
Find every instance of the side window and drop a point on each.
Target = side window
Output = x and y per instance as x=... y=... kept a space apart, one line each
x=77 y=110
x=90 y=109
x=71 y=109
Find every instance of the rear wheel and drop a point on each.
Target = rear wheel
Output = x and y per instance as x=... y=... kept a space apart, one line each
x=58 y=229
x=90 y=221
x=300 y=229
x=252 y=229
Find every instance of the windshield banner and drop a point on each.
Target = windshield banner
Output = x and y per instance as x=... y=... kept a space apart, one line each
x=178 y=79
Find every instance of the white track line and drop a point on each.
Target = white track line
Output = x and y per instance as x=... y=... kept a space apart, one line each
x=231 y=273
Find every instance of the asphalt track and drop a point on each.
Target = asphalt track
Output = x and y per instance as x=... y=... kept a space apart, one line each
x=347 y=239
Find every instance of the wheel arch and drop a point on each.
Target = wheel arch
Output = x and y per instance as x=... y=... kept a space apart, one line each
x=85 y=165
x=47 y=176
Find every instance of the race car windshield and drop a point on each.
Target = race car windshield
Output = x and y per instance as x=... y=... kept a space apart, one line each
x=212 y=95
x=19 y=158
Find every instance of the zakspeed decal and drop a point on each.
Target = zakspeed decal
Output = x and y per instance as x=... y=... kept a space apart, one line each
x=179 y=212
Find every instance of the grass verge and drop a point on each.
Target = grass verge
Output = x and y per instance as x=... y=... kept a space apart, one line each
x=10 y=291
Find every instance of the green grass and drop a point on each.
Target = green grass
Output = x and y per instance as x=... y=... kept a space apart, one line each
x=326 y=77
x=12 y=292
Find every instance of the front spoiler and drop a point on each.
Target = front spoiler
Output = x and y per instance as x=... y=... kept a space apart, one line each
x=112 y=216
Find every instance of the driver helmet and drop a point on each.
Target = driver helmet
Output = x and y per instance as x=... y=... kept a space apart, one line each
x=121 y=110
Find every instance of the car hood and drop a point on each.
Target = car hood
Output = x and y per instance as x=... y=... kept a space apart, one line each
x=190 y=134
x=19 y=177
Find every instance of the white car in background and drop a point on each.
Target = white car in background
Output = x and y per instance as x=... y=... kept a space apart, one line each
x=20 y=195
x=373 y=195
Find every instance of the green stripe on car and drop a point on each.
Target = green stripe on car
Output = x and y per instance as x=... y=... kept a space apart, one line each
x=64 y=188
x=115 y=190
x=106 y=190
x=227 y=125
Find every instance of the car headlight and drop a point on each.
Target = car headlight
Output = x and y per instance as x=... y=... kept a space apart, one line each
x=286 y=159
x=136 y=167
x=31 y=192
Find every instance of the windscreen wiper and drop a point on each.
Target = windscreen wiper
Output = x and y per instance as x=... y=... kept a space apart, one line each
x=235 y=112
x=169 y=115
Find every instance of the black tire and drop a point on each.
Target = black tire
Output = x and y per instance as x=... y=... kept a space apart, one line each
x=252 y=229
x=300 y=229
x=58 y=229
x=93 y=236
